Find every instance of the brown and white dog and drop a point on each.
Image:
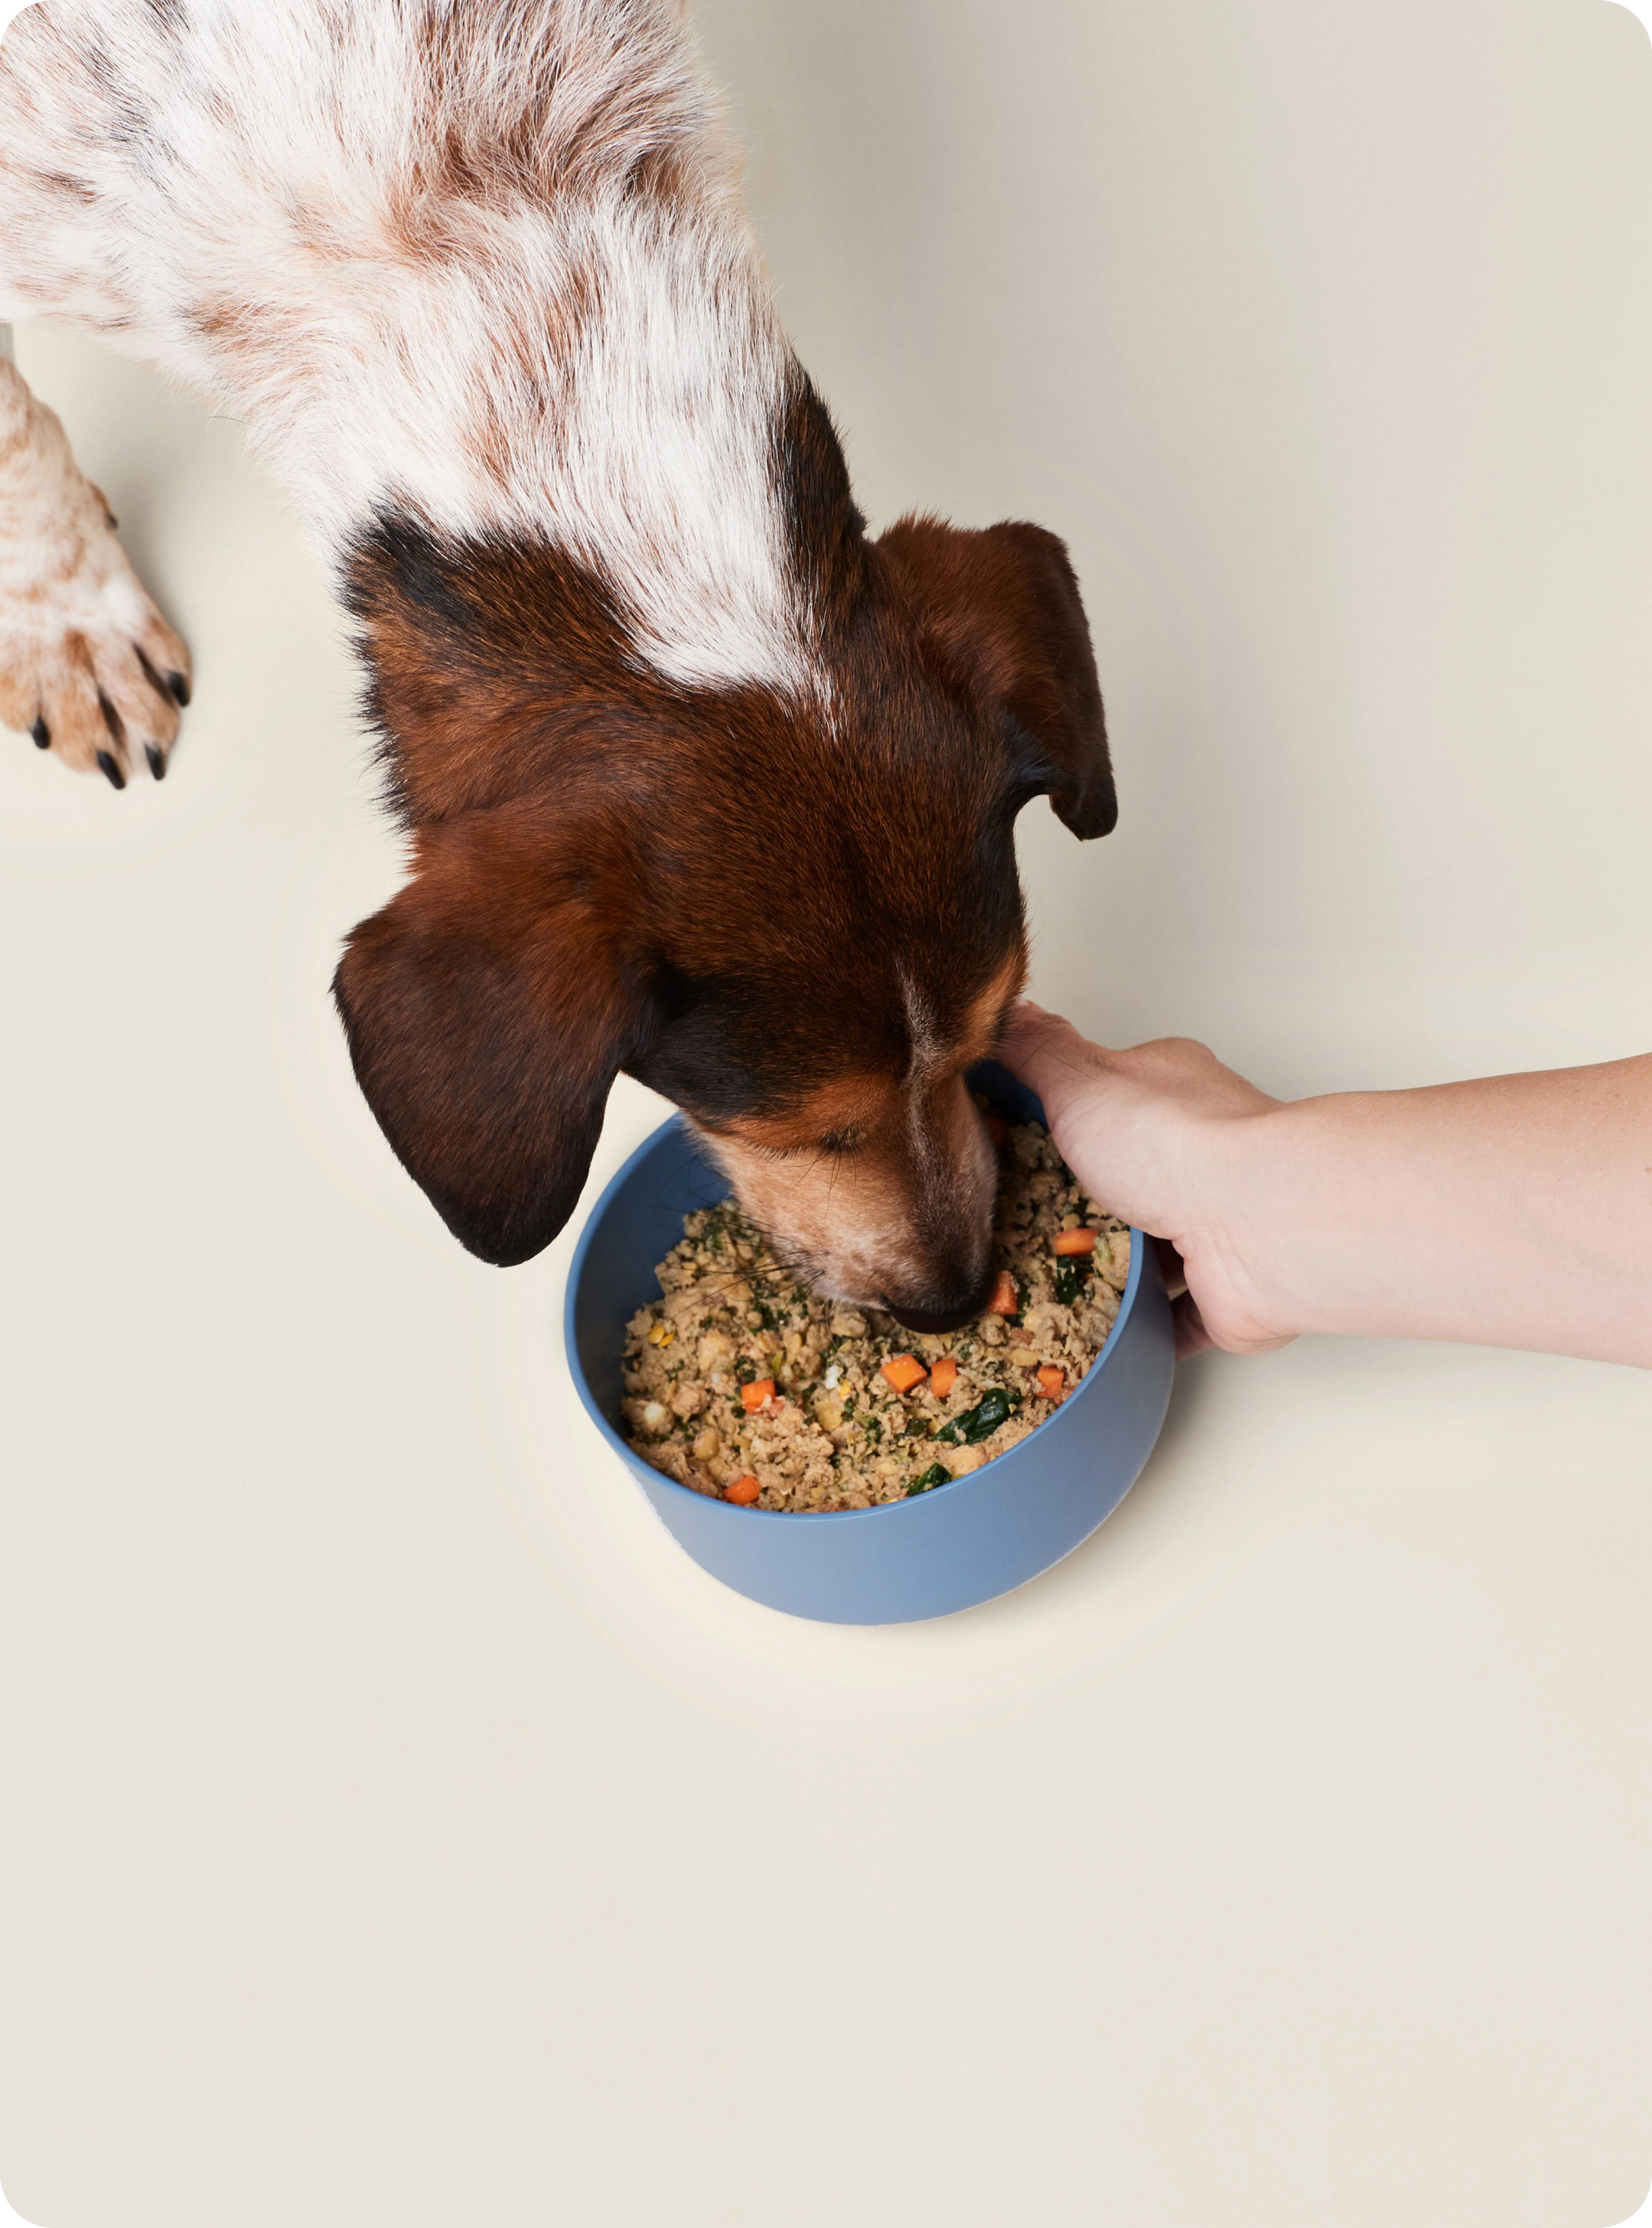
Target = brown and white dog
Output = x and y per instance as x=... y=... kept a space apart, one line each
x=702 y=783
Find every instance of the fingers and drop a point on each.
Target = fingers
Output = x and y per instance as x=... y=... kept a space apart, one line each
x=1048 y=1054
x=1172 y=1268
x=1192 y=1337
x=1124 y=1121
x=1030 y=1028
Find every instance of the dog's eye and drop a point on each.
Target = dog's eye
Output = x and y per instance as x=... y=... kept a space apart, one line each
x=840 y=1141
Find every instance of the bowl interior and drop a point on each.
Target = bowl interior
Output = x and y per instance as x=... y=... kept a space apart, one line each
x=639 y=1220
x=613 y=1272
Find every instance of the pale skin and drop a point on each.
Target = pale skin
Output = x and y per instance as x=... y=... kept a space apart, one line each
x=1512 y=1210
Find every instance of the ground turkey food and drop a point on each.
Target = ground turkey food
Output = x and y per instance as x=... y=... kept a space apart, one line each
x=743 y=1385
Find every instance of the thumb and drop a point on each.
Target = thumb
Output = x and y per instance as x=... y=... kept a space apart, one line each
x=1049 y=1055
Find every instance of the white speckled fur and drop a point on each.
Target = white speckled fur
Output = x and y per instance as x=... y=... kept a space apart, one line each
x=276 y=202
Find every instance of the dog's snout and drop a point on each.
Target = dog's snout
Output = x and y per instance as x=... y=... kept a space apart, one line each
x=948 y=1306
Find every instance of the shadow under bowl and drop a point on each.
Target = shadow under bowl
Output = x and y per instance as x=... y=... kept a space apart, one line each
x=950 y=1548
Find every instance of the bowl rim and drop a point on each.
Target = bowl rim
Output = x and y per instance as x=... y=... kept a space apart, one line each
x=793 y=1518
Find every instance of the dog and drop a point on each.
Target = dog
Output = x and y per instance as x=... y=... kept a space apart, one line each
x=702 y=782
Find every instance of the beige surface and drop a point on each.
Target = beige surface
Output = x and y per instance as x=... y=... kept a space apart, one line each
x=396 y=1828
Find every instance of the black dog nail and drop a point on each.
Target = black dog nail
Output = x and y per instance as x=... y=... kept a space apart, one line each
x=179 y=687
x=42 y=735
x=156 y=763
x=117 y=779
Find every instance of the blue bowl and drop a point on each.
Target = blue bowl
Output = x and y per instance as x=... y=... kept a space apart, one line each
x=947 y=1549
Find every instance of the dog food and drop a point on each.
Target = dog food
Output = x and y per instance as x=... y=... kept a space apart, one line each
x=742 y=1385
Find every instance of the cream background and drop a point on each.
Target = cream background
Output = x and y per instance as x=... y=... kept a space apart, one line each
x=395 y=1827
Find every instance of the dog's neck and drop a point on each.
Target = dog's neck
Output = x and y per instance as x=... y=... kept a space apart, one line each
x=476 y=272
x=590 y=362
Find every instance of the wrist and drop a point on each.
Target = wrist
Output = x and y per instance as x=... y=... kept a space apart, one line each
x=1243 y=1256
x=1324 y=1243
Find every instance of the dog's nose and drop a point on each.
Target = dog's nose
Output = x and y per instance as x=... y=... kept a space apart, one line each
x=944 y=1308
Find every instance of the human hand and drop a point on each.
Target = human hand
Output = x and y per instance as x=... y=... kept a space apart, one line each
x=1374 y=1213
x=1157 y=1136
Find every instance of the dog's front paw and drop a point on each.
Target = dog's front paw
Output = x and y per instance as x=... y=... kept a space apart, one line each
x=88 y=667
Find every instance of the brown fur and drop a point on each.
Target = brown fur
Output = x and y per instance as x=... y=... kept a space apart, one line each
x=801 y=920
x=883 y=1177
x=1003 y=609
x=478 y=281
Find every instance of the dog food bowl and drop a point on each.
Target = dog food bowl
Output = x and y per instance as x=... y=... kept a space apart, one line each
x=944 y=1550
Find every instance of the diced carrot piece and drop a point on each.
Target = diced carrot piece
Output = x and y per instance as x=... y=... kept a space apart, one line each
x=904 y=1371
x=1052 y=1382
x=1075 y=1241
x=753 y=1396
x=943 y=1376
x=1005 y=1300
x=998 y=1130
x=744 y=1490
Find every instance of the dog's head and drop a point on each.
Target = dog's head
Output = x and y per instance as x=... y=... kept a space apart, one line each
x=796 y=915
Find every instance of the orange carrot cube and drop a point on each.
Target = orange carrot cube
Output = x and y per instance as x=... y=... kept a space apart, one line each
x=1052 y=1382
x=744 y=1490
x=1005 y=1300
x=753 y=1396
x=943 y=1376
x=904 y=1371
x=1075 y=1241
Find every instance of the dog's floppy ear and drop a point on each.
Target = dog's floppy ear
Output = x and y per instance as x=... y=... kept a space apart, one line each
x=487 y=1013
x=1001 y=606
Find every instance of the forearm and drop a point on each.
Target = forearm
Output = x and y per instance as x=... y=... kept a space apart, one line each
x=1516 y=1211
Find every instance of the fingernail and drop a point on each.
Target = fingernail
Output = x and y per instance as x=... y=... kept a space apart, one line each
x=156 y=763
x=42 y=735
x=117 y=779
x=179 y=687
